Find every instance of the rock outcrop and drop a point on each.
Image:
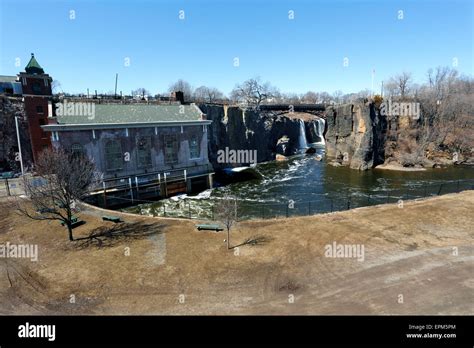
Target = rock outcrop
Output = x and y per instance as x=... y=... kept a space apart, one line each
x=355 y=135
x=268 y=132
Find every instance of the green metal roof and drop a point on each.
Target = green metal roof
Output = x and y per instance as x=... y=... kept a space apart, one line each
x=124 y=114
x=4 y=78
x=33 y=66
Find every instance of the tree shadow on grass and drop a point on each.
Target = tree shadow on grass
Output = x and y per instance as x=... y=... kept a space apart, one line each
x=105 y=236
x=255 y=241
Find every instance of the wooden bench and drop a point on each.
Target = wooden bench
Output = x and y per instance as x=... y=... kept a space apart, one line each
x=216 y=228
x=46 y=210
x=74 y=222
x=112 y=218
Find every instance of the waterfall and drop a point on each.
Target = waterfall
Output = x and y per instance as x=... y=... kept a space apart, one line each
x=319 y=126
x=302 y=137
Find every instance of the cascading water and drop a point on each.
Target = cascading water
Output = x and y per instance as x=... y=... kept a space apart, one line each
x=319 y=126
x=302 y=137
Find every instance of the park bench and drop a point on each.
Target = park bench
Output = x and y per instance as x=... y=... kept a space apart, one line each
x=7 y=175
x=112 y=218
x=210 y=227
x=74 y=222
x=46 y=210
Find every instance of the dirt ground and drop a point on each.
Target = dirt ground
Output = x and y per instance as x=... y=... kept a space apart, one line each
x=418 y=260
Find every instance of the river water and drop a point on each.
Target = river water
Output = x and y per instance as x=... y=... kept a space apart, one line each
x=302 y=185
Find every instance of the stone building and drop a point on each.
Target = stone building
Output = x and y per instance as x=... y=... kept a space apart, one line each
x=138 y=148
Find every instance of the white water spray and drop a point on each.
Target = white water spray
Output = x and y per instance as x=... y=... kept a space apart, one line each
x=319 y=126
x=302 y=137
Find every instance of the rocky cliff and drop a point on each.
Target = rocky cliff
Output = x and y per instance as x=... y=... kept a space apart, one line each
x=357 y=135
x=268 y=132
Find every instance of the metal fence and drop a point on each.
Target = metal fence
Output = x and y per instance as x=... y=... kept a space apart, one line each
x=326 y=204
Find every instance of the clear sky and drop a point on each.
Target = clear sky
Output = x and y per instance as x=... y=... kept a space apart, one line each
x=296 y=55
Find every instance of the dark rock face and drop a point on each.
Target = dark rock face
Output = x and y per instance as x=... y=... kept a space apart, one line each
x=267 y=132
x=355 y=135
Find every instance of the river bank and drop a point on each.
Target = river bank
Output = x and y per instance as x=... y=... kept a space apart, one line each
x=422 y=251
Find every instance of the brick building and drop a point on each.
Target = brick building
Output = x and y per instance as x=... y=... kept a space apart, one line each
x=37 y=95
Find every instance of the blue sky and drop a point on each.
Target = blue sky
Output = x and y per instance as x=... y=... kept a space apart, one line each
x=296 y=55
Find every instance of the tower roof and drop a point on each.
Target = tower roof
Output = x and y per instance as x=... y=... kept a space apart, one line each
x=33 y=66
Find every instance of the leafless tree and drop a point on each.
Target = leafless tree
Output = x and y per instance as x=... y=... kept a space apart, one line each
x=62 y=179
x=290 y=98
x=207 y=94
x=182 y=86
x=142 y=92
x=227 y=213
x=325 y=97
x=398 y=85
x=56 y=87
x=253 y=92
x=310 y=97
x=337 y=96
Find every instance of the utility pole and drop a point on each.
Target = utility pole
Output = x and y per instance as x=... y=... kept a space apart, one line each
x=116 y=79
x=19 y=145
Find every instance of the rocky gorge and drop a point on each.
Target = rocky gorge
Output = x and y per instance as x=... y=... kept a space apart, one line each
x=357 y=135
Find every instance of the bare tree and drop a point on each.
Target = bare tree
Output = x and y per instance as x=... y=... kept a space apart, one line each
x=337 y=96
x=207 y=94
x=62 y=179
x=399 y=85
x=56 y=87
x=290 y=98
x=325 y=97
x=182 y=86
x=253 y=92
x=142 y=92
x=310 y=97
x=226 y=212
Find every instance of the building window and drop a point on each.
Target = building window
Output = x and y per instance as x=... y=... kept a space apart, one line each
x=55 y=136
x=77 y=149
x=36 y=87
x=113 y=154
x=144 y=152
x=194 y=148
x=46 y=82
x=171 y=148
x=39 y=109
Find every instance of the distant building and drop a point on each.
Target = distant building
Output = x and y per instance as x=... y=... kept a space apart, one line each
x=9 y=85
x=26 y=97
x=134 y=146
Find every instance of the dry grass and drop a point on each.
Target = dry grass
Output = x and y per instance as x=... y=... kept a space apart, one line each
x=144 y=265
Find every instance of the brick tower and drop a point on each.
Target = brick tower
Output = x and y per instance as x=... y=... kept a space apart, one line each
x=37 y=95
